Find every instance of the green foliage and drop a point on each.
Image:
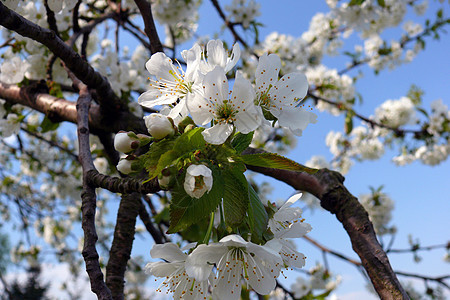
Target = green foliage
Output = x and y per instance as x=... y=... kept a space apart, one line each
x=235 y=196
x=257 y=216
x=356 y=2
x=272 y=160
x=241 y=141
x=47 y=125
x=415 y=93
x=185 y=210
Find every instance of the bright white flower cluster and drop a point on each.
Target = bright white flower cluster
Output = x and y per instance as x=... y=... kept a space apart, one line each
x=396 y=113
x=203 y=92
x=339 y=87
x=379 y=206
x=223 y=266
x=243 y=11
x=320 y=279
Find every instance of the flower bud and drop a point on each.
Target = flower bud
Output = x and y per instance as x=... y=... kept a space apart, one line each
x=159 y=126
x=124 y=166
x=198 y=180
x=123 y=142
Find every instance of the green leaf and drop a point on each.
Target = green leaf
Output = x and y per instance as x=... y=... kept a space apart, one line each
x=257 y=216
x=164 y=161
x=185 y=210
x=381 y=3
x=356 y=2
x=151 y=158
x=348 y=125
x=235 y=196
x=190 y=141
x=47 y=125
x=242 y=141
x=272 y=160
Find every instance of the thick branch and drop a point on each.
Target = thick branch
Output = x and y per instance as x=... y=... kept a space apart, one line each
x=108 y=99
x=122 y=243
x=328 y=186
x=121 y=185
x=88 y=198
x=150 y=28
x=62 y=110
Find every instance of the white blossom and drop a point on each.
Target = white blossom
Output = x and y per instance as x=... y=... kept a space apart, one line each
x=177 y=281
x=227 y=111
x=13 y=70
x=282 y=97
x=159 y=126
x=198 y=180
x=235 y=259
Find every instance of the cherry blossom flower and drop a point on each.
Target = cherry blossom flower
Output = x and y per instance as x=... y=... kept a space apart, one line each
x=124 y=166
x=198 y=180
x=286 y=222
x=281 y=97
x=177 y=280
x=236 y=110
x=235 y=259
x=172 y=84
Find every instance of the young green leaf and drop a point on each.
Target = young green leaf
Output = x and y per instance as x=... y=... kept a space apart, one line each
x=272 y=160
x=235 y=196
x=257 y=216
x=241 y=141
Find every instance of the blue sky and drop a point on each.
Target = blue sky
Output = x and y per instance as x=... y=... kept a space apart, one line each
x=421 y=193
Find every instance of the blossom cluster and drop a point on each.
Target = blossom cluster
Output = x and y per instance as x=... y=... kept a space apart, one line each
x=202 y=91
x=222 y=266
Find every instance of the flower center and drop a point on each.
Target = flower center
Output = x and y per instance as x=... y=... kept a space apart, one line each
x=225 y=112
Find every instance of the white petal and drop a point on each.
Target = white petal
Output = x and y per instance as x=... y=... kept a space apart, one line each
x=295 y=118
x=243 y=94
x=217 y=134
x=248 y=120
x=216 y=53
x=291 y=86
x=160 y=66
x=233 y=59
x=227 y=283
x=168 y=251
x=215 y=86
x=154 y=97
x=192 y=57
x=237 y=239
x=200 y=262
x=260 y=278
x=160 y=268
x=296 y=230
x=197 y=106
x=267 y=71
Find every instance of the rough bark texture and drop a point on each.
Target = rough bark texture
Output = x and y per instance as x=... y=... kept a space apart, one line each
x=328 y=186
x=150 y=28
x=122 y=243
x=88 y=200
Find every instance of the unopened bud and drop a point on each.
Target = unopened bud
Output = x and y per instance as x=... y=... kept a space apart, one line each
x=123 y=142
x=159 y=126
x=124 y=166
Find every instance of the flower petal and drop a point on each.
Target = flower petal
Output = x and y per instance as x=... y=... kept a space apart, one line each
x=216 y=53
x=161 y=269
x=267 y=71
x=200 y=262
x=217 y=134
x=295 y=118
x=233 y=59
x=215 y=85
x=291 y=86
x=168 y=251
x=161 y=66
x=154 y=97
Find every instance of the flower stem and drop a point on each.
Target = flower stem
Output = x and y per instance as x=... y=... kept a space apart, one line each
x=208 y=232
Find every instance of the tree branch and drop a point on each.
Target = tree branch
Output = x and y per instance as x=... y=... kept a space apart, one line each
x=150 y=28
x=122 y=243
x=121 y=185
x=88 y=198
x=63 y=110
x=109 y=101
x=328 y=186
